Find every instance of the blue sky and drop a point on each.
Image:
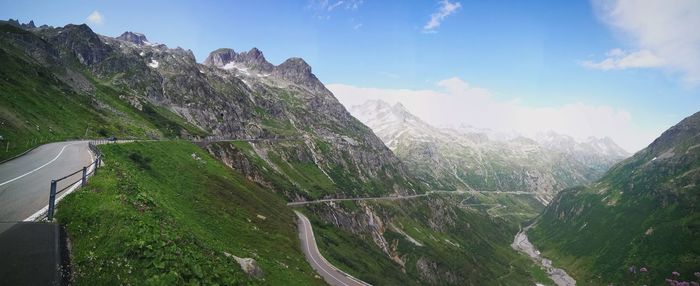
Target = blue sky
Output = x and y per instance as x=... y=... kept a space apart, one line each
x=538 y=54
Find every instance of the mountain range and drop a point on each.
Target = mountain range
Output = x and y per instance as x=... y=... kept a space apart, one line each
x=124 y=84
x=269 y=134
x=466 y=158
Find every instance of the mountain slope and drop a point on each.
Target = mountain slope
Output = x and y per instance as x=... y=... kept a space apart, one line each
x=45 y=99
x=440 y=239
x=143 y=221
x=154 y=92
x=449 y=158
x=644 y=213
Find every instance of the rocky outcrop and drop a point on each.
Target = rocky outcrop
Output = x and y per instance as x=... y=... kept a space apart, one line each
x=249 y=266
x=136 y=38
x=431 y=273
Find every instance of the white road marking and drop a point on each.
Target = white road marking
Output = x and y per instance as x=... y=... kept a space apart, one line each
x=42 y=166
x=72 y=188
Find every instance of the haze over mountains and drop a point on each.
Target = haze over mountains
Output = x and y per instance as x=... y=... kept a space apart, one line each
x=467 y=158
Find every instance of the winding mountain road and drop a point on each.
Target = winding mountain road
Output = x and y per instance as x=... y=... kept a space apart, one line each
x=25 y=180
x=301 y=203
x=332 y=275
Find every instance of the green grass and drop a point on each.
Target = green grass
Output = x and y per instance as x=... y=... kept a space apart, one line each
x=155 y=215
x=642 y=214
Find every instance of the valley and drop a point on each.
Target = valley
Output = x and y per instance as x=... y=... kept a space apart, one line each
x=238 y=171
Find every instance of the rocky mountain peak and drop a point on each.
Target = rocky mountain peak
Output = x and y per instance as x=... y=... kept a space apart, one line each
x=399 y=108
x=136 y=38
x=298 y=71
x=255 y=60
x=16 y=23
x=220 y=57
x=228 y=59
x=295 y=65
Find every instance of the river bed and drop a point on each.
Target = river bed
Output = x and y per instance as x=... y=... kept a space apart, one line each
x=558 y=275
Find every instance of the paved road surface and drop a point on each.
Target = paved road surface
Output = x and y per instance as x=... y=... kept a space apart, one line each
x=25 y=181
x=332 y=275
x=30 y=254
x=301 y=203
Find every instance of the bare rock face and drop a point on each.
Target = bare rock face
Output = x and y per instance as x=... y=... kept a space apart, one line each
x=249 y=266
x=136 y=38
x=253 y=59
x=431 y=273
x=220 y=57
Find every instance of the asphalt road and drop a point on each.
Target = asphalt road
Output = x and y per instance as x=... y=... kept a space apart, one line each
x=301 y=203
x=30 y=254
x=25 y=181
x=332 y=275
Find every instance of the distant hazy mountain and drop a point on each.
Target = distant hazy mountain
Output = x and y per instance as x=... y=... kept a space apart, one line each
x=466 y=157
x=645 y=212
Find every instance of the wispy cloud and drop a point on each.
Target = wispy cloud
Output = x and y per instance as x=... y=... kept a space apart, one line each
x=329 y=6
x=454 y=101
x=618 y=59
x=323 y=9
x=95 y=17
x=446 y=8
x=663 y=33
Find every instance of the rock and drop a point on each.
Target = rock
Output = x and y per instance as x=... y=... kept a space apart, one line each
x=248 y=265
x=136 y=38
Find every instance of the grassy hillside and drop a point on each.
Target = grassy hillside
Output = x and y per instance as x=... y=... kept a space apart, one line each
x=38 y=106
x=164 y=213
x=465 y=240
x=645 y=212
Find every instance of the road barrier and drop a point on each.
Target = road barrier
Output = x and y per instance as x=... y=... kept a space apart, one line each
x=86 y=172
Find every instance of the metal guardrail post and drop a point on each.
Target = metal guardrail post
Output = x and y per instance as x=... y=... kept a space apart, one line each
x=52 y=199
x=82 y=184
x=94 y=170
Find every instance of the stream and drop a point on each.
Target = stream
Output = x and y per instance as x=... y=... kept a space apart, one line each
x=558 y=275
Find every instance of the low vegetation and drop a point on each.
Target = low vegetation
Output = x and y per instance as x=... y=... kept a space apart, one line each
x=466 y=239
x=165 y=213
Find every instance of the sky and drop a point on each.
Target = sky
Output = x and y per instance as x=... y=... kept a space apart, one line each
x=620 y=68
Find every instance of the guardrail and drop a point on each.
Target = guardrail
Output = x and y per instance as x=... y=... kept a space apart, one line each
x=86 y=172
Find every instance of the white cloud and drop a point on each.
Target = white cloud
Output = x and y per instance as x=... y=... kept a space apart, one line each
x=446 y=8
x=618 y=59
x=664 y=32
x=454 y=102
x=329 y=6
x=333 y=6
x=96 y=18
